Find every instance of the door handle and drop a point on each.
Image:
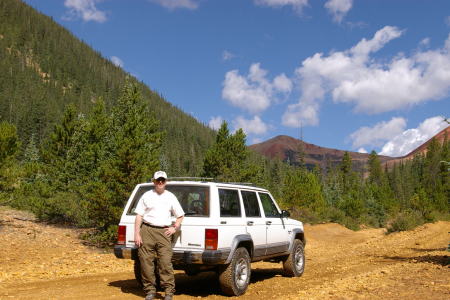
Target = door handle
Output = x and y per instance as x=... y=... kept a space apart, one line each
x=268 y=222
x=250 y=223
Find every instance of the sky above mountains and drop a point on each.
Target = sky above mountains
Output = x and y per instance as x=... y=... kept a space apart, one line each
x=348 y=74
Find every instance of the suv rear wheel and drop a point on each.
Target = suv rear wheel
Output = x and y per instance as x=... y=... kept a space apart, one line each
x=235 y=277
x=294 y=264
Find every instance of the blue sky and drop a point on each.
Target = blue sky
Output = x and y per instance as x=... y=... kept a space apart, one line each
x=358 y=75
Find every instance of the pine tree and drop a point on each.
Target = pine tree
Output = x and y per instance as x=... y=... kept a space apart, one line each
x=9 y=146
x=31 y=153
x=9 y=142
x=227 y=159
x=302 y=188
x=135 y=145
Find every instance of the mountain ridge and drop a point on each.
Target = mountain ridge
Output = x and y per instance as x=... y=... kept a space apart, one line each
x=286 y=148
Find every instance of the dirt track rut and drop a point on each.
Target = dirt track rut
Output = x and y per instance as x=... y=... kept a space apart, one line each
x=40 y=261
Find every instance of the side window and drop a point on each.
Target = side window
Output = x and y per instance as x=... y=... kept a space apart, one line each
x=229 y=203
x=251 y=205
x=270 y=210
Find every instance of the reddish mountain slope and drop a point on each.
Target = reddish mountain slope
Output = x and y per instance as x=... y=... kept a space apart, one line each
x=286 y=148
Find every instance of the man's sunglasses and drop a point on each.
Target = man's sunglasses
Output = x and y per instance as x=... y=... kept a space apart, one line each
x=160 y=180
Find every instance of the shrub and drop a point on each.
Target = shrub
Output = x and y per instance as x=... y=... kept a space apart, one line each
x=63 y=207
x=405 y=221
x=101 y=238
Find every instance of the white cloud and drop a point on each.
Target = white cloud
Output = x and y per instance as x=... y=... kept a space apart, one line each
x=256 y=140
x=378 y=134
x=362 y=150
x=252 y=126
x=227 y=55
x=117 y=61
x=215 y=122
x=84 y=9
x=372 y=86
x=425 y=42
x=254 y=92
x=338 y=8
x=282 y=83
x=174 y=4
x=410 y=139
x=301 y=114
x=296 y=4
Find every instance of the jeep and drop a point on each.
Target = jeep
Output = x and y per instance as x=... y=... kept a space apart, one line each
x=226 y=227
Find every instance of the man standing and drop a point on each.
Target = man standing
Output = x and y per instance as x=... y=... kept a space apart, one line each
x=153 y=232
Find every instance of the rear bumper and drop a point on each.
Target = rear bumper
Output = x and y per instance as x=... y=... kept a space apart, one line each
x=121 y=251
x=180 y=257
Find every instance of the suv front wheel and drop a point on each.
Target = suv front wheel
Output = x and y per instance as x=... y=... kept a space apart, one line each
x=294 y=264
x=235 y=277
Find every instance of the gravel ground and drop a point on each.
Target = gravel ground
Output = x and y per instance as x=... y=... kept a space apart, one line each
x=41 y=261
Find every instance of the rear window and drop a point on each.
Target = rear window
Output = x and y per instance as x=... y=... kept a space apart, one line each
x=229 y=203
x=193 y=199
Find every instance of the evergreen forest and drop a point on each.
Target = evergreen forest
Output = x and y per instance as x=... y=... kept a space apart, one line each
x=77 y=134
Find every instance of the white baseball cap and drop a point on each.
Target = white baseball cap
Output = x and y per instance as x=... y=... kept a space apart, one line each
x=159 y=174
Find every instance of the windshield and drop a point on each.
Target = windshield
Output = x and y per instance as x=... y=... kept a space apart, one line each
x=194 y=199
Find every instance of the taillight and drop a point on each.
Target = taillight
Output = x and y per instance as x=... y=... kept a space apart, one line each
x=211 y=238
x=122 y=235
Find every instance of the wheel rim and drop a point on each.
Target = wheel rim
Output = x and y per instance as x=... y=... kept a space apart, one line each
x=298 y=259
x=241 y=273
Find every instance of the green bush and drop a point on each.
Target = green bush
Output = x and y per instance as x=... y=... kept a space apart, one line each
x=306 y=215
x=405 y=221
x=101 y=238
x=63 y=207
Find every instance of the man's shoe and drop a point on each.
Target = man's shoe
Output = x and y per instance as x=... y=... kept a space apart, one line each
x=150 y=296
x=168 y=297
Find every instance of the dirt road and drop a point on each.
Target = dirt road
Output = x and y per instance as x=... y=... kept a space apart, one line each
x=40 y=261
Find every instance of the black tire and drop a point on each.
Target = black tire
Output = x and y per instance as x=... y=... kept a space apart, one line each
x=138 y=275
x=294 y=264
x=235 y=277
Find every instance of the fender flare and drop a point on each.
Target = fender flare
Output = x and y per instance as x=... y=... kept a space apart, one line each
x=297 y=232
x=238 y=239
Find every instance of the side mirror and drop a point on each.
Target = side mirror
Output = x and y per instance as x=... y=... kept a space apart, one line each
x=285 y=214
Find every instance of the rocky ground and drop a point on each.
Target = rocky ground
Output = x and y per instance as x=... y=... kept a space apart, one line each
x=40 y=261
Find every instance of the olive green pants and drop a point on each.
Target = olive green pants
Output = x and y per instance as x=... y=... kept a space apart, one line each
x=156 y=244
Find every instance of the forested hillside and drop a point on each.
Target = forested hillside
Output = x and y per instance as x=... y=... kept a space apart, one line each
x=43 y=68
x=77 y=134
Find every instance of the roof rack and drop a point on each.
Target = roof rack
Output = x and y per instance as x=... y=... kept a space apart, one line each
x=209 y=179
x=240 y=183
x=191 y=178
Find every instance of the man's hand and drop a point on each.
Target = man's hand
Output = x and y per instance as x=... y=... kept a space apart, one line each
x=171 y=230
x=137 y=239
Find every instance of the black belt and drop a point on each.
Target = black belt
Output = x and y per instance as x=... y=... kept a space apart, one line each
x=154 y=226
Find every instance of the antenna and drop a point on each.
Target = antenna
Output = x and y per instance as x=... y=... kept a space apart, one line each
x=301 y=131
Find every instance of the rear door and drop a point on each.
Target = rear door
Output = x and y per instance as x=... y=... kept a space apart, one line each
x=255 y=224
x=231 y=221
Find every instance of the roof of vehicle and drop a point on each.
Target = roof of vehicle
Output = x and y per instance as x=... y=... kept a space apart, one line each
x=212 y=183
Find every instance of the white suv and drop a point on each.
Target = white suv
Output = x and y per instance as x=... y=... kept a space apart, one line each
x=226 y=226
